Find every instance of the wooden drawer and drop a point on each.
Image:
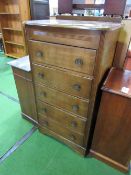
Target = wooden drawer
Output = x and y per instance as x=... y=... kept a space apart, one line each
x=70 y=121
x=80 y=38
x=66 y=133
x=62 y=100
x=63 y=80
x=74 y=58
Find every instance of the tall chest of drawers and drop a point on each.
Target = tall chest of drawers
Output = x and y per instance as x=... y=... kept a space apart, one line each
x=69 y=60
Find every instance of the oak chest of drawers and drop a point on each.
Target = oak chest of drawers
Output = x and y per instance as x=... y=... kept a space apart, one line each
x=69 y=60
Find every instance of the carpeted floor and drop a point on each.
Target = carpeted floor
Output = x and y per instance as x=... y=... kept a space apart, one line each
x=39 y=155
x=12 y=125
x=42 y=155
x=7 y=84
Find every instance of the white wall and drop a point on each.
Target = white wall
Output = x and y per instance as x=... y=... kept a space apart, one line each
x=53 y=7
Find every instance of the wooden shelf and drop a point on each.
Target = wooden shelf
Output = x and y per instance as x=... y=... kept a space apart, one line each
x=14 y=55
x=12 y=29
x=6 y=13
x=12 y=15
x=14 y=43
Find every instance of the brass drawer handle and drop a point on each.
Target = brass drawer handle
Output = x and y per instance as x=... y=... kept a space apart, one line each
x=39 y=54
x=79 y=62
x=43 y=94
x=41 y=75
x=75 y=108
x=74 y=124
x=45 y=123
x=77 y=87
x=73 y=138
x=44 y=110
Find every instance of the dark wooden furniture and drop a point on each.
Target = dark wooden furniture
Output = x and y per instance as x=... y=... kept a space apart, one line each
x=39 y=9
x=112 y=136
x=65 y=6
x=23 y=79
x=90 y=18
x=68 y=60
x=112 y=7
x=127 y=64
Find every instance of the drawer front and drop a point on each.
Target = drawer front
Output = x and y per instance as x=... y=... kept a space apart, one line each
x=80 y=38
x=70 y=121
x=74 y=58
x=62 y=100
x=62 y=80
x=58 y=129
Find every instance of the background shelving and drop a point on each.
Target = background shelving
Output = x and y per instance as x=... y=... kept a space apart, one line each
x=12 y=15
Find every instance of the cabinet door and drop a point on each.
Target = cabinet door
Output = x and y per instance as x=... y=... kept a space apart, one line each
x=26 y=96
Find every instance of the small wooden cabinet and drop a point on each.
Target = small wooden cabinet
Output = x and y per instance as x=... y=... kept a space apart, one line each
x=69 y=60
x=112 y=136
x=12 y=14
x=23 y=79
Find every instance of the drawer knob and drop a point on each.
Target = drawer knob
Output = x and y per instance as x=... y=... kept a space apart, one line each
x=73 y=138
x=77 y=87
x=75 y=108
x=43 y=94
x=73 y=124
x=44 y=110
x=41 y=75
x=39 y=54
x=79 y=62
x=45 y=123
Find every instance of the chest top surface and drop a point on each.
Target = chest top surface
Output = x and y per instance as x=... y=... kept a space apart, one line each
x=84 y=25
x=21 y=63
x=118 y=82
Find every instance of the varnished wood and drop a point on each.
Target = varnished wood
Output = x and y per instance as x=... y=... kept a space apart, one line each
x=23 y=79
x=64 y=80
x=90 y=18
x=64 y=132
x=89 y=39
x=64 y=101
x=70 y=121
x=55 y=89
x=63 y=56
x=26 y=95
x=114 y=84
x=79 y=149
x=111 y=141
x=12 y=14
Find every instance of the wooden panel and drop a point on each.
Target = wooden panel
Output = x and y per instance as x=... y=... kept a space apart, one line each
x=123 y=79
x=86 y=39
x=66 y=133
x=70 y=121
x=26 y=94
x=79 y=149
x=114 y=121
x=11 y=22
x=62 y=100
x=90 y=18
x=14 y=50
x=13 y=36
x=112 y=138
x=9 y=6
x=78 y=59
x=75 y=85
